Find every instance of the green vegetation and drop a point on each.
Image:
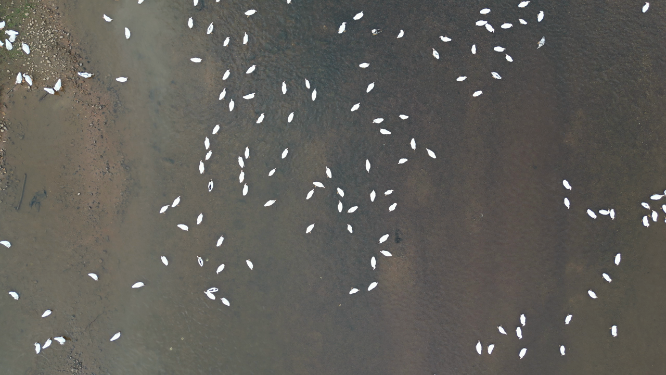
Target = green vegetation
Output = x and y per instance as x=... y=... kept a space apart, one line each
x=14 y=15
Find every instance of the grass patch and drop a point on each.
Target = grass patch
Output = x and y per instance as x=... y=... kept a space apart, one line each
x=14 y=16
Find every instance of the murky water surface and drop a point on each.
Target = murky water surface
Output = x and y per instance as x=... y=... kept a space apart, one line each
x=479 y=235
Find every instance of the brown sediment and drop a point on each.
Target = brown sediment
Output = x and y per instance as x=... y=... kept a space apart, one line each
x=70 y=148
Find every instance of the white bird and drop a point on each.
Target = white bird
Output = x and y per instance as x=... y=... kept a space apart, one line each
x=210 y=29
x=210 y=295
x=501 y=330
x=137 y=285
x=523 y=4
x=370 y=87
x=245 y=38
x=392 y=207
x=372 y=286
x=541 y=42
x=358 y=16
x=250 y=69
x=115 y=337
x=341 y=29
x=84 y=74
x=606 y=277
x=496 y=75
x=604 y=212
x=241 y=177
x=373 y=262
x=200 y=217
x=378 y=120
x=461 y=78
x=200 y=261
x=445 y=39
x=245 y=189
x=195 y=60
x=60 y=340
x=248 y=96
x=93 y=276
x=499 y=49
x=349 y=228
x=250 y=12
x=645 y=205
x=479 y=347
x=127 y=33
x=309 y=228
x=307 y=83
x=46 y=344
x=260 y=119
x=269 y=203
x=284 y=88
x=473 y=49
x=592 y=294
x=207 y=143
x=618 y=258
x=183 y=227
x=19 y=78
x=222 y=95
x=164 y=208
x=247 y=153
x=353 y=290
x=190 y=23
x=506 y=25
x=121 y=79
x=477 y=93
x=435 y=53
x=614 y=331
x=249 y=264
x=562 y=350
x=339 y=206
x=310 y=193
x=567 y=320
x=285 y=152
x=58 y=85
x=646 y=221
x=28 y=79
x=25 y=48
x=314 y=94
x=401 y=34
x=14 y=295
x=522 y=320
x=612 y=214
x=109 y=19
x=328 y=173
x=175 y=201
x=522 y=353
x=37 y=348
x=654 y=216
x=219 y=268
x=362 y=66
x=490 y=348
x=591 y=213
x=484 y=11
x=241 y=162
x=352 y=209
x=646 y=7
x=383 y=238
x=290 y=117
x=508 y=58
x=384 y=131
x=226 y=42
x=165 y=261
x=367 y=165
x=196 y=2
x=225 y=301
x=231 y=105
x=340 y=192
x=519 y=333
x=8 y=45
x=46 y=313
x=402 y=161
x=318 y=184
x=271 y=172
x=355 y=107
x=201 y=167
x=412 y=143
x=540 y=16
x=567 y=203
x=385 y=253
x=372 y=196
x=490 y=28
x=522 y=21
x=388 y=192
x=481 y=22
x=431 y=153
x=404 y=117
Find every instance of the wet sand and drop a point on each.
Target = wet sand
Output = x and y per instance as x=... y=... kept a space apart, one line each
x=479 y=235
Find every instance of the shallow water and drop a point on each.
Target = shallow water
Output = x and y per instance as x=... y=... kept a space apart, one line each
x=479 y=236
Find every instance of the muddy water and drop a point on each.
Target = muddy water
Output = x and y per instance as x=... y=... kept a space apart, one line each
x=478 y=237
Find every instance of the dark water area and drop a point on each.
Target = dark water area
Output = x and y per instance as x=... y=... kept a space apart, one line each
x=479 y=236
